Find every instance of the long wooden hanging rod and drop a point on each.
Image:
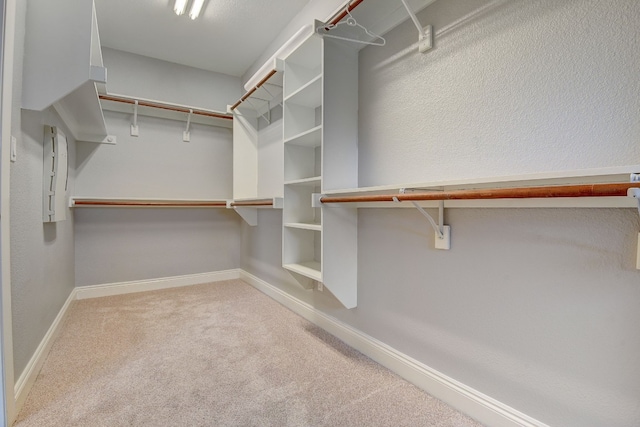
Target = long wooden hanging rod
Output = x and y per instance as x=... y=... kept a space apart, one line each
x=337 y=18
x=578 y=190
x=150 y=203
x=162 y=106
x=248 y=203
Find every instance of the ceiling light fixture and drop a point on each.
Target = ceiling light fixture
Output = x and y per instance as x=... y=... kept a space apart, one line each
x=196 y=7
x=180 y=6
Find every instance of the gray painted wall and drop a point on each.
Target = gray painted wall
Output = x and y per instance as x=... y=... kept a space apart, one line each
x=116 y=245
x=42 y=255
x=135 y=75
x=119 y=245
x=534 y=307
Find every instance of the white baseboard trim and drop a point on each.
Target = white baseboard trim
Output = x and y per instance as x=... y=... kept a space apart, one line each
x=464 y=398
x=110 y=289
x=30 y=373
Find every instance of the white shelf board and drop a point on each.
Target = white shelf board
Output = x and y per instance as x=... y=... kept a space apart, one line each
x=309 y=95
x=121 y=107
x=310 y=269
x=585 y=176
x=308 y=138
x=569 y=177
x=82 y=113
x=314 y=181
x=304 y=226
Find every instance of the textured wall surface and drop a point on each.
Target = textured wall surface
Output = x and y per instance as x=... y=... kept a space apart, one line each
x=135 y=75
x=119 y=245
x=115 y=245
x=511 y=87
x=158 y=163
x=42 y=273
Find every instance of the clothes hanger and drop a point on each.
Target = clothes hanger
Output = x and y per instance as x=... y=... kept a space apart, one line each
x=351 y=22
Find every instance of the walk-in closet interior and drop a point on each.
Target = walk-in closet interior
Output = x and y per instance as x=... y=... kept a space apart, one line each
x=450 y=187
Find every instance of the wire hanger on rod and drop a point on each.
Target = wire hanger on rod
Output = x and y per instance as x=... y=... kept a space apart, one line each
x=323 y=30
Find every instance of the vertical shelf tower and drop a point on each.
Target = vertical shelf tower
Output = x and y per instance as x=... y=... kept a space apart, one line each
x=320 y=120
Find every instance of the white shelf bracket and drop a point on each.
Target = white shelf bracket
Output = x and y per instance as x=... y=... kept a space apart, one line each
x=443 y=232
x=186 y=135
x=425 y=34
x=134 y=125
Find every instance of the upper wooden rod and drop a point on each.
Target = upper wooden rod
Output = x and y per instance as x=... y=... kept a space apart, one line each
x=149 y=203
x=578 y=190
x=250 y=92
x=341 y=15
x=165 y=107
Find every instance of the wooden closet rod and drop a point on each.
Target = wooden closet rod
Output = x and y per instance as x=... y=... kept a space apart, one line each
x=256 y=87
x=239 y=204
x=579 y=190
x=150 y=203
x=164 y=106
x=337 y=18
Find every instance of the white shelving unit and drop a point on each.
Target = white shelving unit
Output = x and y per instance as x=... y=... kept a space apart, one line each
x=258 y=148
x=320 y=136
x=67 y=79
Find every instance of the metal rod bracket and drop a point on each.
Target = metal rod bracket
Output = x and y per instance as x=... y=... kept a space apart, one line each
x=186 y=135
x=134 y=125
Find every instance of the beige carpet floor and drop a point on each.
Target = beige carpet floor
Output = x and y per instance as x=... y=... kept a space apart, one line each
x=220 y=354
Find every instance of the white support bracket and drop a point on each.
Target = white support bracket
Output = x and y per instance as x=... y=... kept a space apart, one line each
x=186 y=135
x=425 y=34
x=442 y=232
x=134 y=125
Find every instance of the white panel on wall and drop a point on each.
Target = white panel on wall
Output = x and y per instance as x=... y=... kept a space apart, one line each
x=270 y=161
x=54 y=175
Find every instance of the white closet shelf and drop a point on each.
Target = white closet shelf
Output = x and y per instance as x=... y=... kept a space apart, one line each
x=310 y=269
x=314 y=181
x=104 y=202
x=308 y=138
x=309 y=95
x=560 y=178
x=304 y=226
x=154 y=108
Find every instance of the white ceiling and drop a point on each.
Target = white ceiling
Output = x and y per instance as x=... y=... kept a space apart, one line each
x=227 y=38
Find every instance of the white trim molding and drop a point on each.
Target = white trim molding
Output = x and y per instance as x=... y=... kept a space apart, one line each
x=109 y=289
x=28 y=377
x=460 y=396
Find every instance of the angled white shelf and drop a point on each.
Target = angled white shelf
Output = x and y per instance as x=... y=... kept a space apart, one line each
x=304 y=226
x=314 y=181
x=164 y=110
x=310 y=269
x=309 y=138
x=67 y=79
